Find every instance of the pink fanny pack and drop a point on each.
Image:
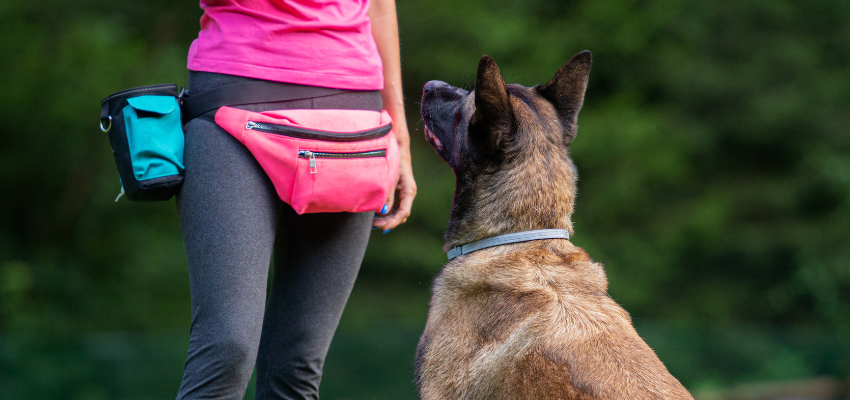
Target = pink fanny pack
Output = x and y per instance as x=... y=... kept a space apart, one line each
x=321 y=160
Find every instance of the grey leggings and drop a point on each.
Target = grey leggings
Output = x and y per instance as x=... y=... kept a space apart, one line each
x=232 y=220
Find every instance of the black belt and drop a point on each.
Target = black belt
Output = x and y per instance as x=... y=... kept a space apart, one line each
x=235 y=94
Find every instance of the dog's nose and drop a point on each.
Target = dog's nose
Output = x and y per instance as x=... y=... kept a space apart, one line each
x=433 y=85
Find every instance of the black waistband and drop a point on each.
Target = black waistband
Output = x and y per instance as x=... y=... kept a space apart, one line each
x=252 y=92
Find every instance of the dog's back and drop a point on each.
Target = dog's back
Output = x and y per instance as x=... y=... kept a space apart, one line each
x=534 y=321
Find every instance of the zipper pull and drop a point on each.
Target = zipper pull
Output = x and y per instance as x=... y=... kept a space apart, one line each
x=120 y=194
x=312 y=161
x=251 y=125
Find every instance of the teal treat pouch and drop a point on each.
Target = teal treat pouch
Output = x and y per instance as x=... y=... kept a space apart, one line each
x=154 y=136
x=146 y=134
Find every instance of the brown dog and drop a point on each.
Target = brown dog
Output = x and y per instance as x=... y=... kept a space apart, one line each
x=529 y=320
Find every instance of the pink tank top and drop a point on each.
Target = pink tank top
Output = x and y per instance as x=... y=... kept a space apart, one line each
x=310 y=42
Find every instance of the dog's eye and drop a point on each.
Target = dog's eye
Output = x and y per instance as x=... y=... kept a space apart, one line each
x=456 y=121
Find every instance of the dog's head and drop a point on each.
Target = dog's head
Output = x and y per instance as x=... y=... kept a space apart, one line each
x=508 y=146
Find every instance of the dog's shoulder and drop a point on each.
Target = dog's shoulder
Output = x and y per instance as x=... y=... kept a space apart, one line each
x=542 y=284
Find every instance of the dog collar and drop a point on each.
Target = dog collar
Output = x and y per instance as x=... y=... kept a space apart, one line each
x=507 y=239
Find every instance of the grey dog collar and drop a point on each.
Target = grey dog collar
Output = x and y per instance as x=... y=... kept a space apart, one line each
x=507 y=239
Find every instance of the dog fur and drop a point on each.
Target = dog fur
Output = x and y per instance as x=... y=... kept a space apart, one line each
x=529 y=320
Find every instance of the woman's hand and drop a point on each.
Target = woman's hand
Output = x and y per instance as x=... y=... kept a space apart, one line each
x=385 y=31
x=401 y=199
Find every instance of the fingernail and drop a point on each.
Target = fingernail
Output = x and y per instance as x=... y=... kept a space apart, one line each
x=384 y=209
x=387 y=231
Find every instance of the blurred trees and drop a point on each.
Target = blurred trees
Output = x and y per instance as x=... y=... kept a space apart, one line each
x=712 y=148
x=713 y=154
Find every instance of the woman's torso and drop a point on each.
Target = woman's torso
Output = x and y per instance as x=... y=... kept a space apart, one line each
x=310 y=42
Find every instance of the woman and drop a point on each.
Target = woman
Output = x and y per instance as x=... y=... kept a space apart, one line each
x=231 y=217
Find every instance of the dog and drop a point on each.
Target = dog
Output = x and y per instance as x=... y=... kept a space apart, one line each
x=527 y=320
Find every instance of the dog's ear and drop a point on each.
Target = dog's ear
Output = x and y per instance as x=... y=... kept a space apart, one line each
x=566 y=90
x=493 y=119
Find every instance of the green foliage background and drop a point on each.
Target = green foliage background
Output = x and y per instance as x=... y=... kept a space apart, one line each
x=713 y=152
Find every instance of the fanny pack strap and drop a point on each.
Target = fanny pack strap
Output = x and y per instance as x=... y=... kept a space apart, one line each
x=194 y=105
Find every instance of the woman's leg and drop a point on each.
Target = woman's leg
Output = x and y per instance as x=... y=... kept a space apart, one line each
x=228 y=215
x=229 y=212
x=317 y=258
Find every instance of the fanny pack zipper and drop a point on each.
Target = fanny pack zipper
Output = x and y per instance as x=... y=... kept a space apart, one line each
x=302 y=133
x=313 y=155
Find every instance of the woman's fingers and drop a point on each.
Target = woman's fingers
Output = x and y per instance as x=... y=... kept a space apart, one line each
x=399 y=215
x=381 y=217
x=406 y=192
x=390 y=202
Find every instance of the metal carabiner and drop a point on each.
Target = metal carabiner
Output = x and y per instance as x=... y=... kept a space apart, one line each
x=108 y=127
